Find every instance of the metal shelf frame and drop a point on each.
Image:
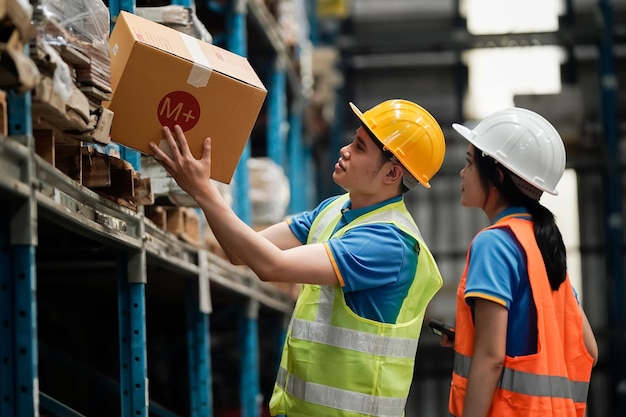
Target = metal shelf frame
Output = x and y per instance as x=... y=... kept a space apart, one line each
x=33 y=192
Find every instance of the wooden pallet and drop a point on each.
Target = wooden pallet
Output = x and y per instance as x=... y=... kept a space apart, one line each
x=108 y=175
x=183 y=222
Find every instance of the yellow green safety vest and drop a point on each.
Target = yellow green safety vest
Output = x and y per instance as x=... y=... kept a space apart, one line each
x=336 y=363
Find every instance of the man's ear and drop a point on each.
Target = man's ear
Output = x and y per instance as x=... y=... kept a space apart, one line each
x=394 y=173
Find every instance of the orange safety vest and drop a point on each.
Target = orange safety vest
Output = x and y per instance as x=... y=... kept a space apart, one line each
x=552 y=382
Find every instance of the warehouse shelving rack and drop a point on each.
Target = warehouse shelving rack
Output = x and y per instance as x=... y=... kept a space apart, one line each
x=34 y=194
x=56 y=234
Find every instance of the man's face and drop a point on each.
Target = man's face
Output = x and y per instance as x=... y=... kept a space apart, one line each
x=359 y=164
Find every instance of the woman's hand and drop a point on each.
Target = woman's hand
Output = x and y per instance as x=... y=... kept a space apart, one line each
x=191 y=174
x=445 y=341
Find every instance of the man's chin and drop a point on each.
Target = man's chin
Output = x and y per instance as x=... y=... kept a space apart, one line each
x=337 y=180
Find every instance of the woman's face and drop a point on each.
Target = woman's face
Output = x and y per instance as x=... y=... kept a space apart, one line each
x=472 y=191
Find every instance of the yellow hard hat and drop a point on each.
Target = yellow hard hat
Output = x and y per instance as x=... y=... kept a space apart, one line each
x=410 y=133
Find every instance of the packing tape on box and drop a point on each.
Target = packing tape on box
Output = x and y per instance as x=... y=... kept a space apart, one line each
x=201 y=69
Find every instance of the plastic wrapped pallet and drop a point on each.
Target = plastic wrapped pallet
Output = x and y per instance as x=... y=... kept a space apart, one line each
x=269 y=191
x=17 y=71
x=79 y=30
x=181 y=18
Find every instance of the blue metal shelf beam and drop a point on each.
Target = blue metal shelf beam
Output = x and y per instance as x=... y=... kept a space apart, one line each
x=57 y=408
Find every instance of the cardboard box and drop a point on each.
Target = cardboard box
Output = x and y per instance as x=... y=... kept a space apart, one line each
x=161 y=76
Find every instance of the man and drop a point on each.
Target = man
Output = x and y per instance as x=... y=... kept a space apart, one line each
x=368 y=275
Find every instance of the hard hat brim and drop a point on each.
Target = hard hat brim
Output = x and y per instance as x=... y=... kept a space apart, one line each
x=411 y=182
x=395 y=124
x=358 y=113
x=470 y=135
x=464 y=131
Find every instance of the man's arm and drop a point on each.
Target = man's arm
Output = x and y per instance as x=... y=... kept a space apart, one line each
x=283 y=260
x=279 y=234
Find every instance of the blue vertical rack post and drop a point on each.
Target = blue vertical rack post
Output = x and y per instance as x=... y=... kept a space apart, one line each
x=131 y=295
x=250 y=367
x=132 y=333
x=337 y=137
x=198 y=329
x=18 y=237
x=299 y=179
x=327 y=35
x=7 y=313
x=277 y=112
x=614 y=215
x=198 y=341
x=250 y=376
x=115 y=6
x=236 y=42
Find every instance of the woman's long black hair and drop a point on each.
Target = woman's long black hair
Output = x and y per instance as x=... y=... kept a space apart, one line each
x=547 y=234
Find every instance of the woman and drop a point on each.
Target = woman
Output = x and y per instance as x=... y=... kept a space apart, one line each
x=523 y=345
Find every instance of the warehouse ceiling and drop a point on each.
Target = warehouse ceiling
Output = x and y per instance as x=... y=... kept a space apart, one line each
x=377 y=28
x=416 y=49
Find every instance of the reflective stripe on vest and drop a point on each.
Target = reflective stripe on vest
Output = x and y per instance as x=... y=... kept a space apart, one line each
x=530 y=384
x=327 y=216
x=321 y=331
x=349 y=401
x=353 y=340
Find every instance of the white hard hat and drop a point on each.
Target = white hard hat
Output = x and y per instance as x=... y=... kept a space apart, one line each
x=524 y=142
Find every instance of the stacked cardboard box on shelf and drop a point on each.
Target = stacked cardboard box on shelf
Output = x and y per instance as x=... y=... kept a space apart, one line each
x=184 y=222
x=71 y=125
x=71 y=52
x=17 y=71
